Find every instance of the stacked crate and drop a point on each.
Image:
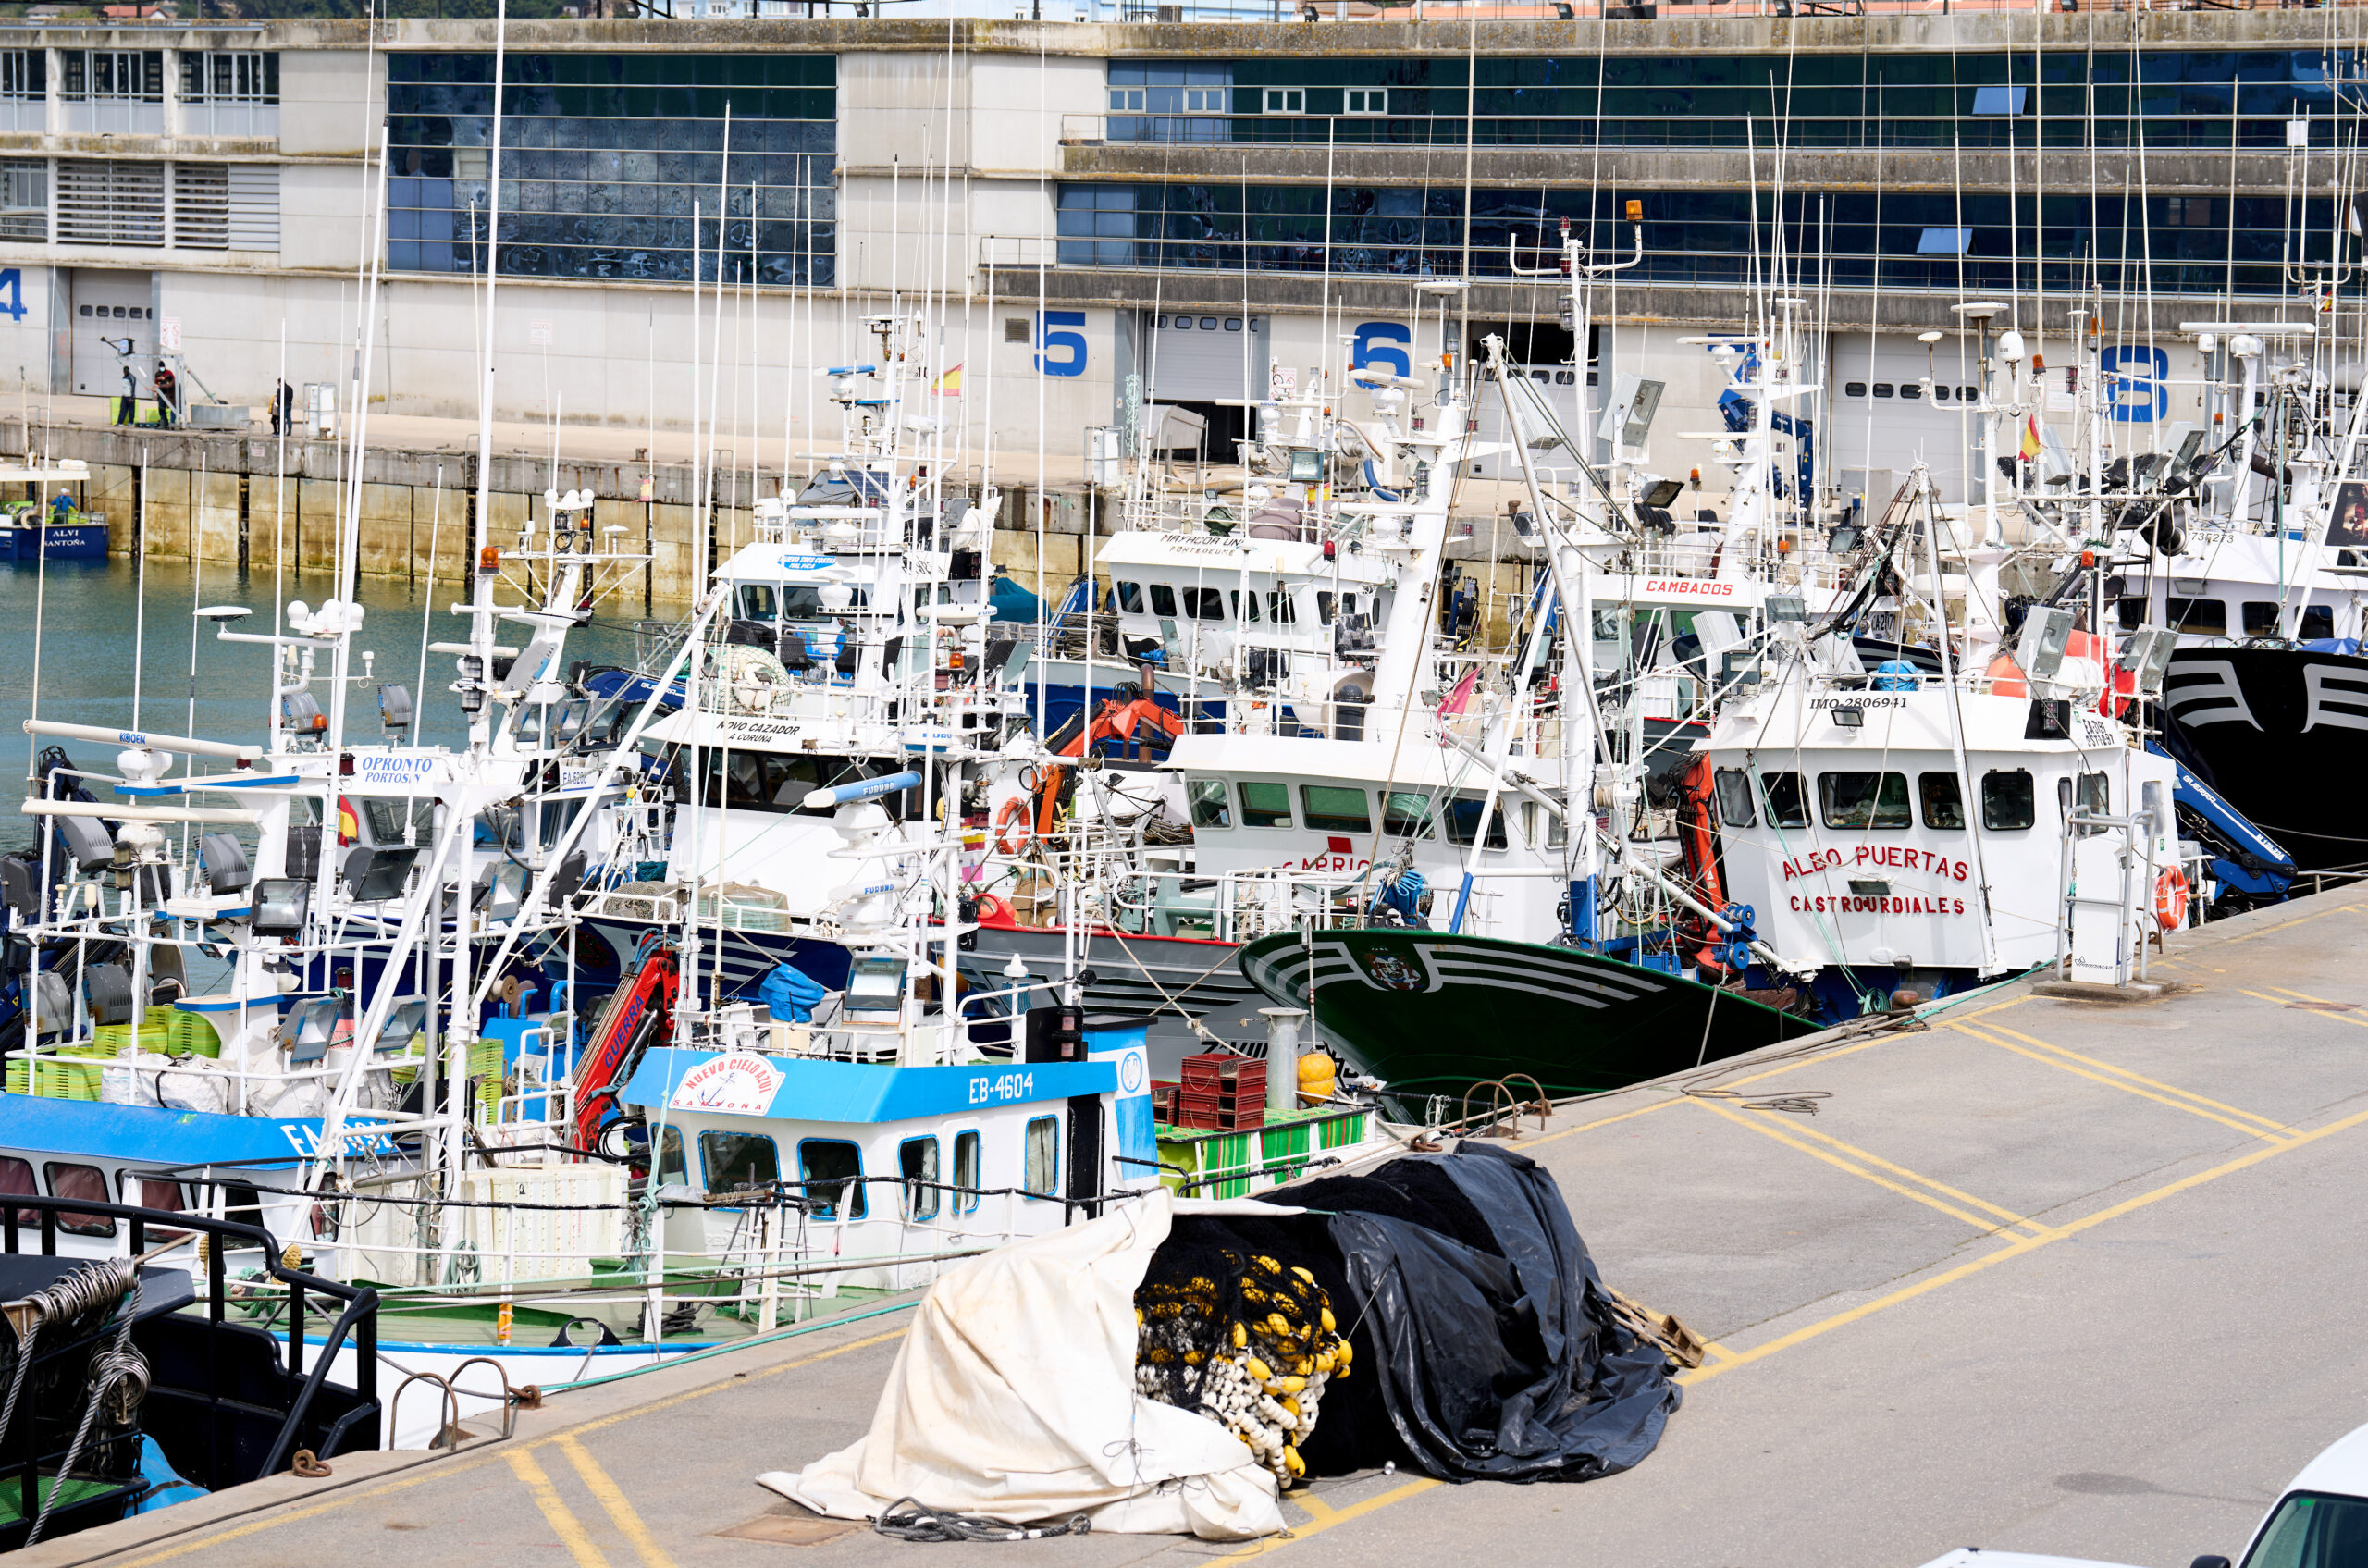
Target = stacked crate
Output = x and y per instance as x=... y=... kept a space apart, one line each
x=1223 y=1092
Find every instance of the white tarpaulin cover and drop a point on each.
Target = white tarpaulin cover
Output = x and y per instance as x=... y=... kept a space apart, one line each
x=1014 y=1396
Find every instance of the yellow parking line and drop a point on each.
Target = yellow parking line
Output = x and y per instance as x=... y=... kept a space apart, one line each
x=1767 y=1130
x=2306 y=996
x=2009 y=1216
x=1678 y=1098
x=2140 y=1078
x=2052 y=1059
x=563 y=1523
x=2306 y=920
x=2017 y=1246
x=613 y=1498
x=1321 y=1516
x=453 y=1468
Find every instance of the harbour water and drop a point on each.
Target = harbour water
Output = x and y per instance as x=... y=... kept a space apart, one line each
x=76 y=624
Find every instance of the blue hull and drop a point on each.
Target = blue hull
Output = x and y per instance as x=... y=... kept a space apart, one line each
x=68 y=542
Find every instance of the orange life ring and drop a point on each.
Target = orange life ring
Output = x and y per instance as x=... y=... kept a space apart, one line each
x=2170 y=899
x=1015 y=814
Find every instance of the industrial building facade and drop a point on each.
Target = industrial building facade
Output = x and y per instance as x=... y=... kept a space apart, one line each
x=1100 y=211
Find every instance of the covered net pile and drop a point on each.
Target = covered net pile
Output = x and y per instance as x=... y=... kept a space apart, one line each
x=1246 y=1337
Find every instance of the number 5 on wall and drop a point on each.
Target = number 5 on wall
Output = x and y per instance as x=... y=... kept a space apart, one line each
x=1072 y=344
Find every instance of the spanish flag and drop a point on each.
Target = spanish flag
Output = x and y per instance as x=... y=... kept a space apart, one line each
x=948 y=385
x=348 y=825
x=2030 y=439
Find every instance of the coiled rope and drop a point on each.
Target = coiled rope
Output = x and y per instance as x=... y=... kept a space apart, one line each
x=118 y=1374
x=909 y=1519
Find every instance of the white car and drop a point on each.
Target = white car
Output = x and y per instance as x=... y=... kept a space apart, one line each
x=2321 y=1522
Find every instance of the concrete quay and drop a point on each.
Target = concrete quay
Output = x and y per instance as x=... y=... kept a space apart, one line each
x=2038 y=1273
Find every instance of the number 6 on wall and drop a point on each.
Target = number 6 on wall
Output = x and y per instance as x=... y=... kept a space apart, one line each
x=1071 y=344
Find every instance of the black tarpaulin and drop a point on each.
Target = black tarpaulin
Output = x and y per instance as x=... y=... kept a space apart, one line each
x=1502 y=1363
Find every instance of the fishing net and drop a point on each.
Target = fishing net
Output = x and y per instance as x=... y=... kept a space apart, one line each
x=1234 y=1322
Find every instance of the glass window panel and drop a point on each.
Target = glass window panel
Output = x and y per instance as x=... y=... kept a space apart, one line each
x=737 y=1161
x=2008 y=800
x=1734 y=787
x=1462 y=815
x=86 y=1183
x=1265 y=805
x=1333 y=809
x=829 y=1170
x=1864 y=801
x=965 y=1172
x=1209 y=802
x=917 y=1163
x=1042 y=1172
x=1943 y=802
x=1787 y=805
x=1407 y=814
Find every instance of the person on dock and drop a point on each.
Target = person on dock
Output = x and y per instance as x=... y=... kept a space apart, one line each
x=168 y=402
x=126 y=407
x=283 y=409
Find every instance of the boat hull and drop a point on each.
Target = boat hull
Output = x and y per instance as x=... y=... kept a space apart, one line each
x=59 y=541
x=2276 y=731
x=1431 y=1014
x=1166 y=979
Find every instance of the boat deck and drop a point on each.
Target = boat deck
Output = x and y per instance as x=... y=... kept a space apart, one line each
x=2057 y=1276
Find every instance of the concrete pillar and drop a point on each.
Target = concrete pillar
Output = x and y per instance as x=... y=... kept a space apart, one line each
x=168 y=511
x=108 y=493
x=216 y=522
x=386 y=530
x=678 y=571
x=317 y=519
x=271 y=520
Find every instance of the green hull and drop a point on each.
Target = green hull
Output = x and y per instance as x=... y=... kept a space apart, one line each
x=1433 y=1014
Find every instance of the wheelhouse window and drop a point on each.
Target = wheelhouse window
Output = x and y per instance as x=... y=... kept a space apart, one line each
x=1733 y=786
x=1865 y=800
x=830 y=1170
x=2318 y=623
x=1280 y=610
x=965 y=1172
x=1204 y=604
x=2197 y=617
x=2009 y=802
x=1244 y=609
x=1323 y=606
x=2261 y=617
x=1787 y=803
x=917 y=1163
x=17 y=1175
x=1208 y=800
x=86 y=1183
x=1407 y=814
x=739 y=1161
x=1463 y=821
x=1130 y=598
x=1944 y=801
x=1265 y=805
x=1163 y=599
x=1042 y=1168
x=1330 y=809
x=673 y=1170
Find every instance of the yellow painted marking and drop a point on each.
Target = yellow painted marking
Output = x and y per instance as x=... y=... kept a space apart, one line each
x=438 y=1471
x=2273 y=1126
x=2052 y=1059
x=2289 y=925
x=1679 y=1098
x=563 y=1522
x=613 y=1498
x=1767 y=1130
x=2009 y=1216
x=1715 y=1351
x=2019 y=1246
x=2306 y=996
x=1321 y=1516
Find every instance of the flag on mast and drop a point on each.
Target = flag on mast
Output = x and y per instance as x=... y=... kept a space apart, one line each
x=2030 y=439
x=948 y=385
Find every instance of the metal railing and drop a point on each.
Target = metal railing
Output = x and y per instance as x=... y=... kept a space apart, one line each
x=358 y=1321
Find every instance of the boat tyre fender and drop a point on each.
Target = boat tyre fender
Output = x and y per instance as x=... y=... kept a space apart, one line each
x=2170 y=899
x=1014 y=827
